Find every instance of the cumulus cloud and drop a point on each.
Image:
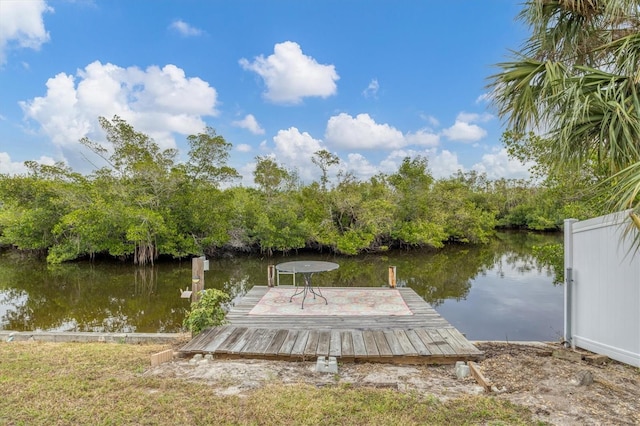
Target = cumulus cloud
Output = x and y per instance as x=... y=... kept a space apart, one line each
x=444 y=163
x=464 y=130
x=243 y=147
x=362 y=132
x=295 y=149
x=290 y=75
x=15 y=168
x=250 y=123
x=422 y=137
x=441 y=164
x=372 y=89
x=360 y=166
x=184 y=28
x=498 y=164
x=22 y=26
x=156 y=101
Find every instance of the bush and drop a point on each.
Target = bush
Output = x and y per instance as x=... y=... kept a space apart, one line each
x=208 y=311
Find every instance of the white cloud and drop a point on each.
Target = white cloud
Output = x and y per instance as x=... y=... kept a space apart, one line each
x=250 y=123
x=22 y=25
x=295 y=149
x=499 y=165
x=243 y=147
x=372 y=89
x=441 y=164
x=184 y=28
x=156 y=101
x=422 y=137
x=362 y=132
x=15 y=168
x=444 y=163
x=291 y=76
x=463 y=129
x=360 y=166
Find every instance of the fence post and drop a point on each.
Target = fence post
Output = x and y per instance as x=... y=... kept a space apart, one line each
x=568 y=279
x=392 y=276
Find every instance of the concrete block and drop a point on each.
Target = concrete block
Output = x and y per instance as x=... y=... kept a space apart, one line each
x=327 y=365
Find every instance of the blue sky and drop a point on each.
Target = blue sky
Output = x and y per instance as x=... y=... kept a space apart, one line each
x=370 y=81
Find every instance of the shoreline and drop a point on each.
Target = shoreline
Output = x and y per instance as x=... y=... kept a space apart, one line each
x=87 y=336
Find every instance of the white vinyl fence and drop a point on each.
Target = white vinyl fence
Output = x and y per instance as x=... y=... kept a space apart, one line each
x=602 y=288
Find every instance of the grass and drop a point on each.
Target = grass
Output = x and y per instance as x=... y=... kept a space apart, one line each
x=104 y=384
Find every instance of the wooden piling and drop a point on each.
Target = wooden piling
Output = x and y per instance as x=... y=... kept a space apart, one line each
x=271 y=275
x=197 y=277
x=392 y=277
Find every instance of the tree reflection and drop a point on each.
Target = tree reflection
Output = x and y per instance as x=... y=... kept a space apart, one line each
x=117 y=297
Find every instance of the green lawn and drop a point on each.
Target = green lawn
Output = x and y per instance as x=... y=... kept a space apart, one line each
x=103 y=384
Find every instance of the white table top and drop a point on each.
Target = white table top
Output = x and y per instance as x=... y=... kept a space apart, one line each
x=306 y=266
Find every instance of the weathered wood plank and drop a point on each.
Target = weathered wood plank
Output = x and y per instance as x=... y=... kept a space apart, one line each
x=405 y=343
x=301 y=343
x=370 y=343
x=289 y=342
x=229 y=342
x=335 y=348
x=346 y=344
x=428 y=342
x=276 y=342
x=359 y=348
x=324 y=341
x=440 y=342
x=417 y=343
x=312 y=344
x=242 y=341
x=261 y=342
x=221 y=336
x=199 y=339
x=393 y=343
x=381 y=342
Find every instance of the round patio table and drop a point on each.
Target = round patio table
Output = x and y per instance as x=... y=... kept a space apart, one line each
x=307 y=268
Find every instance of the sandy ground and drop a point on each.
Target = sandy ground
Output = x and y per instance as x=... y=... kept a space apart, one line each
x=557 y=390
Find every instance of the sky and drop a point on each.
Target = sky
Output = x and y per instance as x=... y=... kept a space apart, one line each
x=372 y=82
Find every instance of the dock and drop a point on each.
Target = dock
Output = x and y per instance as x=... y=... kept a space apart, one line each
x=424 y=337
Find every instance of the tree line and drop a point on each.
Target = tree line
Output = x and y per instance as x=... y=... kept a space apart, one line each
x=145 y=204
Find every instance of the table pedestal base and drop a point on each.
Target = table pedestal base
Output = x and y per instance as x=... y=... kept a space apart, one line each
x=308 y=288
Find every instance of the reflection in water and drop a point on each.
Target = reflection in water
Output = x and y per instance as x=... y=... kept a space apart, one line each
x=495 y=291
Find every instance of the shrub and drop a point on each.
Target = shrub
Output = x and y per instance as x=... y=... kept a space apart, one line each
x=208 y=311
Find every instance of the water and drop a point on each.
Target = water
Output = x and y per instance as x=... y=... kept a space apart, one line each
x=493 y=292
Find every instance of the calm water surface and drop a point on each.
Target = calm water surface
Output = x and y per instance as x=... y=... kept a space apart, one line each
x=493 y=292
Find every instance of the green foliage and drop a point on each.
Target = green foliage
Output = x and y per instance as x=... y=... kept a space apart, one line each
x=144 y=205
x=576 y=79
x=552 y=256
x=208 y=311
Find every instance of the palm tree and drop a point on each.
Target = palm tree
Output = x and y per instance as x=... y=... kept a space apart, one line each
x=576 y=80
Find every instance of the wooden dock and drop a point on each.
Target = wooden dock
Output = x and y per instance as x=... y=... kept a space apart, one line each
x=422 y=338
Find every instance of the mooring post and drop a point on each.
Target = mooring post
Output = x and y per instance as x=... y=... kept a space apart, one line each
x=197 y=277
x=271 y=275
x=392 y=276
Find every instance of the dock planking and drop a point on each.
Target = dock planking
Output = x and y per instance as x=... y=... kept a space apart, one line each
x=422 y=338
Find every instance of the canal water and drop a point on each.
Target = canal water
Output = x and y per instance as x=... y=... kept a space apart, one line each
x=498 y=291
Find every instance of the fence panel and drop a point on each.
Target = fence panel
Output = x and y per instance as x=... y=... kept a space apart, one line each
x=604 y=303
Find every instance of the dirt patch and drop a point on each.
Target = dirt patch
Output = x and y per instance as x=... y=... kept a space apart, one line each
x=557 y=390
